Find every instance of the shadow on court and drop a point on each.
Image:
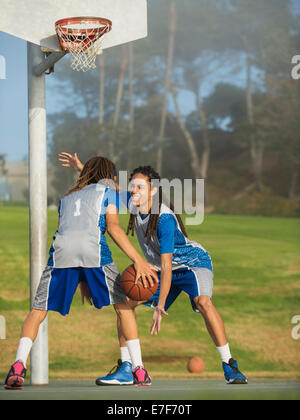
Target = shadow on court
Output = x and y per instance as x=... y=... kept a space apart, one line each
x=160 y=390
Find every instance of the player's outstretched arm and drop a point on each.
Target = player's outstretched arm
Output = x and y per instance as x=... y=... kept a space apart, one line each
x=70 y=161
x=165 y=285
x=159 y=311
x=144 y=270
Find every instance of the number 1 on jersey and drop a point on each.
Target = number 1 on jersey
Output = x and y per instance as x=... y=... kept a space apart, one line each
x=77 y=211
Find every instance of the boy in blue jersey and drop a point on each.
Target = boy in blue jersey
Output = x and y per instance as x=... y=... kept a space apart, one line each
x=183 y=265
x=80 y=255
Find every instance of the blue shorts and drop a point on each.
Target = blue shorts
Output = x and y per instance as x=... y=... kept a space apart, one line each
x=194 y=281
x=58 y=286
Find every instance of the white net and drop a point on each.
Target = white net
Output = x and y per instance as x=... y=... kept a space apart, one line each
x=83 y=40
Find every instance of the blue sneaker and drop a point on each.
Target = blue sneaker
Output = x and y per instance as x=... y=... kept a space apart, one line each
x=119 y=375
x=232 y=373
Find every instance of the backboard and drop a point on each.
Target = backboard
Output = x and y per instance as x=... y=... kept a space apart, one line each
x=34 y=20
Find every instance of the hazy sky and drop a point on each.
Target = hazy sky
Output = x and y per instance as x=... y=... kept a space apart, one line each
x=13 y=95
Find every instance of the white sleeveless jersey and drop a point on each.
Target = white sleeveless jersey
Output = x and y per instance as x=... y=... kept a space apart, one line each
x=79 y=240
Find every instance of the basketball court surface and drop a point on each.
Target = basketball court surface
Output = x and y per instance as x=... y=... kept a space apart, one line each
x=161 y=390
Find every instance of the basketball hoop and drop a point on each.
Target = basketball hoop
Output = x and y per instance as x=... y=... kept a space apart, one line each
x=82 y=38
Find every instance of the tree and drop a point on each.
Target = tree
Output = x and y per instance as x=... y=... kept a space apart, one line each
x=3 y=171
x=131 y=104
x=101 y=61
x=282 y=123
x=254 y=34
x=194 y=158
x=172 y=29
x=201 y=54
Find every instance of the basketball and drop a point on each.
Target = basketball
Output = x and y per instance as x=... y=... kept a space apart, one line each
x=135 y=291
x=195 y=365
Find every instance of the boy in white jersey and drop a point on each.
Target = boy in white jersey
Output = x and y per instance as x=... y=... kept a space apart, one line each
x=80 y=255
x=183 y=265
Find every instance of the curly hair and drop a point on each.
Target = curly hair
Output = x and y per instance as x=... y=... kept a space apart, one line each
x=151 y=174
x=96 y=169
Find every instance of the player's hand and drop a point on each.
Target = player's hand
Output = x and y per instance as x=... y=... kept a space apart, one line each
x=70 y=161
x=157 y=318
x=85 y=293
x=146 y=272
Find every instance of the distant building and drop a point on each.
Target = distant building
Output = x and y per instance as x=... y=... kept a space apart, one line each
x=5 y=192
x=17 y=180
x=14 y=184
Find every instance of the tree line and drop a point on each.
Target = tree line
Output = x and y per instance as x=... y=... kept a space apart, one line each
x=209 y=90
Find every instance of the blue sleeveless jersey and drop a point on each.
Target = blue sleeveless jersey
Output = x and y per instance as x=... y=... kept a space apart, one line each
x=167 y=239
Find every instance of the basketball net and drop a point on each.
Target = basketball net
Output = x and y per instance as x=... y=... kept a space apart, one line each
x=83 y=40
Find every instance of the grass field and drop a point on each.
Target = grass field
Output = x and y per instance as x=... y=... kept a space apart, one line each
x=256 y=290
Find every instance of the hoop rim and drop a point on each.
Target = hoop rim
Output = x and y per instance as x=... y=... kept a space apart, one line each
x=63 y=24
x=81 y=39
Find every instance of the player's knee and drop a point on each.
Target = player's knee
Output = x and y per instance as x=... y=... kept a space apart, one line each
x=123 y=308
x=37 y=316
x=133 y=303
x=119 y=307
x=203 y=304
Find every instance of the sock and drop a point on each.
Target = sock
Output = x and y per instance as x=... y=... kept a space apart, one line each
x=125 y=355
x=23 y=351
x=135 y=352
x=224 y=353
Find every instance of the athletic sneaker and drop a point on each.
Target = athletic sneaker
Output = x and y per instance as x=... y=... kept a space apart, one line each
x=232 y=373
x=141 y=377
x=16 y=376
x=119 y=375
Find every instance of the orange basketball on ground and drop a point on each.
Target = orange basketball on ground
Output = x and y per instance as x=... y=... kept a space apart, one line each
x=135 y=291
x=195 y=365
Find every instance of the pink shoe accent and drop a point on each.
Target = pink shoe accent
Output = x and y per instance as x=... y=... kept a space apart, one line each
x=16 y=376
x=141 y=377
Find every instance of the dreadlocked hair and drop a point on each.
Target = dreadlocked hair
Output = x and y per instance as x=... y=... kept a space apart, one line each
x=149 y=172
x=96 y=169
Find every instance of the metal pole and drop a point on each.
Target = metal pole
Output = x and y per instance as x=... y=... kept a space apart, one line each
x=37 y=203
